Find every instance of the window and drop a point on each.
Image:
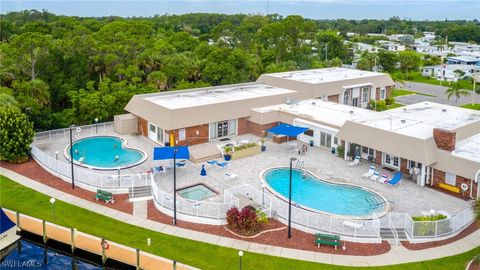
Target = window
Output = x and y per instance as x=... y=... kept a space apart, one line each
x=152 y=128
x=365 y=91
x=450 y=179
x=335 y=140
x=383 y=93
x=181 y=134
x=391 y=161
x=159 y=135
x=309 y=133
x=346 y=96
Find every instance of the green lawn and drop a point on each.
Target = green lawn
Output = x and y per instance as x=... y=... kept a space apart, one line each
x=475 y=106
x=19 y=198
x=417 y=77
x=403 y=92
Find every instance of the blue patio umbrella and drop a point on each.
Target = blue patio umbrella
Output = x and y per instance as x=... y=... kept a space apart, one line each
x=287 y=130
x=162 y=153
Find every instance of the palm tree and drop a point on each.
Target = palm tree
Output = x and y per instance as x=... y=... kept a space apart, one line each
x=456 y=91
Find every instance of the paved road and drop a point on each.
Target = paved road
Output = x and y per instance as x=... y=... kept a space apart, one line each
x=437 y=91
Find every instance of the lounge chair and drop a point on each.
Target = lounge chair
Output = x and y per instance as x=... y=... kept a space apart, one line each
x=375 y=176
x=222 y=165
x=355 y=161
x=383 y=179
x=370 y=172
x=212 y=162
x=231 y=175
x=159 y=170
x=397 y=177
x=181 y=163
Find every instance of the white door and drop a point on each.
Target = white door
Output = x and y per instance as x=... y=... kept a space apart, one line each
x=152 y=132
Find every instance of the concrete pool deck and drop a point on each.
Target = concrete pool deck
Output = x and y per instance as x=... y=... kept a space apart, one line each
x=319 y=161
x=397 y=254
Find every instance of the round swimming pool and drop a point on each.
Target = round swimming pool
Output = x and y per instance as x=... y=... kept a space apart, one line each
x=322 y=196
x=105 y=153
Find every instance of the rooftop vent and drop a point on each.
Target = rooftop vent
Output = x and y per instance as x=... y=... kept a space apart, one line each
x=404 y=109
x=444 y=110
x=313 y=103
x=351 y=112
x=403 y=121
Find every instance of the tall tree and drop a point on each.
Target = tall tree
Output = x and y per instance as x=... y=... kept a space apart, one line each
x=456 y=91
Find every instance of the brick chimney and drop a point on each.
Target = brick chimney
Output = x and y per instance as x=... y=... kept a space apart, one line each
x=445 y=139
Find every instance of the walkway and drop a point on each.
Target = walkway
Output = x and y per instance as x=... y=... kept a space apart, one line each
x=397 y=255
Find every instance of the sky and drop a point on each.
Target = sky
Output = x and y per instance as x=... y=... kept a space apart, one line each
x=314 y=9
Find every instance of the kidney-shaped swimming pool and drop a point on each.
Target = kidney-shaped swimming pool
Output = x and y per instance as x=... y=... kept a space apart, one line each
x=105 y=153
x=319 y=195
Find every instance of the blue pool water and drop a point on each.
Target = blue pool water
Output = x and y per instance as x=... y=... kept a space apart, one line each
x=29 y=255
x=323 y=196
x=104 y=152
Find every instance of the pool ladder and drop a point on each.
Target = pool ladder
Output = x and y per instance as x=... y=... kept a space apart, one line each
x=300 y=164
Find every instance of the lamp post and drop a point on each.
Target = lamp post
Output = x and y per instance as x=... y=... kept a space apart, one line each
x=96 y=125
x=263 y=193
x=71 y=155
x=27 y=110
x=175 y=186
x=240 y=254
x=118 y=176
x=290 y=199
x=56 y=158
x=52 y=201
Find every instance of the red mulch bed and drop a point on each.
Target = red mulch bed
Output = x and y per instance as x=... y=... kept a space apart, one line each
x=299 y=240
x=35 y=172
x=470 y=229
x=474 y=267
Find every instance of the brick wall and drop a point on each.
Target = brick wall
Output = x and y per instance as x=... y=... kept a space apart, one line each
x=193 y=135
x=333 y=98
x=242 y=126
x=444 y=139
x=439 y=177
x=256 y=129
x=388 y=92
x=143 y=126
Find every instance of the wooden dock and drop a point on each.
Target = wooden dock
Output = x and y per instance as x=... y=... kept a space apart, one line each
x=93 y=244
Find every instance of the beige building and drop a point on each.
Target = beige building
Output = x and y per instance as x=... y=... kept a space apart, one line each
x=212 y=113
x=435 y=144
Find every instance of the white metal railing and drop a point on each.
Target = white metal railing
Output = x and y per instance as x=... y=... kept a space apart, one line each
x=80 y=131
x=305 y=218
x=429 y=229
x=204 y=209
x=89 y=177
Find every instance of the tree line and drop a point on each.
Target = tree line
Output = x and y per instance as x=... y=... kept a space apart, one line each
x=65 y=70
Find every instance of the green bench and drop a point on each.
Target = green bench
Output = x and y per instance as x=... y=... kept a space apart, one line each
x=327 y=239
x=104 y=195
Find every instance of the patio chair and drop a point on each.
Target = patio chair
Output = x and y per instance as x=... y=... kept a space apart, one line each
x=159 y=170
x=231 y=175
x=212 y=162
x=383 y=179
x=370 y=172
x=397 y=177
x=180 y=163
x=375 y=176
x=222 y=165
x=355 y=162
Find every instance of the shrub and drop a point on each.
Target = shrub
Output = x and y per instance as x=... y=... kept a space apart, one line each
x=476 y=208
x=232 y=217
x=247 y=221
x=476 y=260
x=390 y=100
x=262 y=217
x=425 y=225
x=16 y=135
x=341 y=151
